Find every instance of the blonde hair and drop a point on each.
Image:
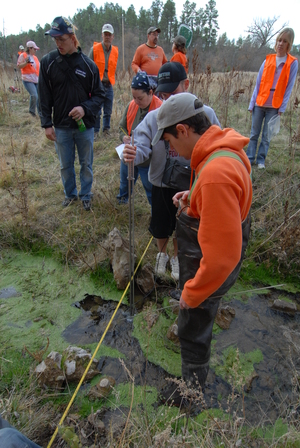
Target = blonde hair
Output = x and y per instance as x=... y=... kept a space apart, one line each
x=291 y=36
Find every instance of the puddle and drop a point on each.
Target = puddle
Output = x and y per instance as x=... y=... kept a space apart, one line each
x=6 y=293
x=256 y=326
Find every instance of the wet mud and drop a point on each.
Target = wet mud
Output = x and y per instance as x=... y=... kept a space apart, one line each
x=256 y=326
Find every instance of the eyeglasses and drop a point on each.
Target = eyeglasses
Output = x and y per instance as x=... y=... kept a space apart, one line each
x=60 y=39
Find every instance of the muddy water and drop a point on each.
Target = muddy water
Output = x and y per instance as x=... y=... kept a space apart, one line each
x=256 y=326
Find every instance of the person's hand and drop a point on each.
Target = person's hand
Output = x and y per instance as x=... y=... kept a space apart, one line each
x=250 y=111
x=181 y=198
x=129 y=153
x=126 y=139
x=183 y=305
x=76 y=113
x=50 y=134
x=279 y=113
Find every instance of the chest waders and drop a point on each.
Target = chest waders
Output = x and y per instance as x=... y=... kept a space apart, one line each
x=195 y=324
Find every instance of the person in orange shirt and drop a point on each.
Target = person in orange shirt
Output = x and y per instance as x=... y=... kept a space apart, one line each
x=30 y=68
x=149 y=57
x=179 y=51
x=210 y=254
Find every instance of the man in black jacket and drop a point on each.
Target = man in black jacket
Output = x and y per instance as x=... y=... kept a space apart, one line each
x=70 y=95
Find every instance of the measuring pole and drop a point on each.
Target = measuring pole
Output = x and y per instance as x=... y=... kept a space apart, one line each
x=131 y=228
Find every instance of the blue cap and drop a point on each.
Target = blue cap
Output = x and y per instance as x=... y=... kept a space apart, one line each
x=60 y=26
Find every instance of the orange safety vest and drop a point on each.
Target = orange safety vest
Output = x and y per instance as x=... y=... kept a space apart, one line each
x=133 y=108
x=99 y=59
x=267 y=81
x=29 y=68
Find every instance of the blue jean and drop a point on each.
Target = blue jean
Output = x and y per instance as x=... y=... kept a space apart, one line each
x=11 y=438
x=107 y=109
x=259 y=115
x=66 y=140
x=138 y=170
x=32 y=89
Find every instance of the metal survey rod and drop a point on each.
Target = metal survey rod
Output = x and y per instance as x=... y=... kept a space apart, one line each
x=131 y=228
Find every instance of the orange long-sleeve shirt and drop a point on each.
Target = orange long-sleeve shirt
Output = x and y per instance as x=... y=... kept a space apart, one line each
x=221 y=199
x=181 y=58
x=148 y=59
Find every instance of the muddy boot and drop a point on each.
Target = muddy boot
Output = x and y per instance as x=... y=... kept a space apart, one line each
x=195 y=376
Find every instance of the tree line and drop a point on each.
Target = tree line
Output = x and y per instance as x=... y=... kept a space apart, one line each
x=208 y=49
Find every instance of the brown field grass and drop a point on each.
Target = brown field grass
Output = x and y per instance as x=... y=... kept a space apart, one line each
x=32 y=218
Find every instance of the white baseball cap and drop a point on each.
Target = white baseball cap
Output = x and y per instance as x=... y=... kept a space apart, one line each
x=108 y=28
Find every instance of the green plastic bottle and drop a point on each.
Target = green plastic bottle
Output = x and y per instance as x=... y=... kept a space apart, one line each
x=81 y=125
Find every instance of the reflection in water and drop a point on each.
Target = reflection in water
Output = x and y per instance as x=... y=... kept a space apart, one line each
x=255 y=326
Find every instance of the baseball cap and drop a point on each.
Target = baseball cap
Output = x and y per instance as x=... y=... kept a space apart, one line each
x=21 y=47
x=169 y=76
x=108 y=28
x=176 y=109
x=152 y=29
x=31 y=44
x=179 y=40
x=59 y=26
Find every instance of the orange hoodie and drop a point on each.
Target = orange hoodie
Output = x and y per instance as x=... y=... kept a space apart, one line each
x=221 y=199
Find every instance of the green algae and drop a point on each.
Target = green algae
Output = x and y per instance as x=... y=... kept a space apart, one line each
x=44 y=307
x=156 y=347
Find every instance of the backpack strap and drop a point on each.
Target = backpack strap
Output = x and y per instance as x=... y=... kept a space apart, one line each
x=221 y=153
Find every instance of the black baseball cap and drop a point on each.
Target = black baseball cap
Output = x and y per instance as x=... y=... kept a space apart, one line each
x=169 y=76
x=59 y=26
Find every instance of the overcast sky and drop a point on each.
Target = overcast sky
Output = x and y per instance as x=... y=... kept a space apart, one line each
x=234 y=15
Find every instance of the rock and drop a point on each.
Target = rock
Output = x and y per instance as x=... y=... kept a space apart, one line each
x=102 y=389
x=145 y=278
x=174 y=304
x=50 y=373
x=282 y=305
x=118 y=250
x=172 y=334
x=224 y=316
x=76 y=361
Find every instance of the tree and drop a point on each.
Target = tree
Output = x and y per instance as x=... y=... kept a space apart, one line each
x=156 y=11
x=210 y=22
x=168 y=20
x=143 y=22
x=131 y=18
x=262 y=31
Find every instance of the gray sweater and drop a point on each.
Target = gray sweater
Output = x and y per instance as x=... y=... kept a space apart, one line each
x=144 y=134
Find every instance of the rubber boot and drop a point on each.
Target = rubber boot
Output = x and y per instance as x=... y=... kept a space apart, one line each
x=195 y=374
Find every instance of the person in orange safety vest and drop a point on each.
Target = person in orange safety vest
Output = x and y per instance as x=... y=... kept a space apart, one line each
x=29 y=65
x=271 y=94
x=105 y=55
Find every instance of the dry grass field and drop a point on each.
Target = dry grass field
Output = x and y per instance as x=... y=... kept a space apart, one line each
x=33 y=220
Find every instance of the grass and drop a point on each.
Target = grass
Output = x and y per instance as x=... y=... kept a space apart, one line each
x=69 y=245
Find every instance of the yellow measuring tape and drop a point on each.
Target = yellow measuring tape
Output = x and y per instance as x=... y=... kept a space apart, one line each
x=95 y=352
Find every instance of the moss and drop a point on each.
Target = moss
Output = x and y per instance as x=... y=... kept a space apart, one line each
x=270 y=433
x=154 y=343
x=236 y=366
x=44 y=307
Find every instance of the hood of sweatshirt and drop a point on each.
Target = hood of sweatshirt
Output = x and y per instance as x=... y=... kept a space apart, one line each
x=219 y=139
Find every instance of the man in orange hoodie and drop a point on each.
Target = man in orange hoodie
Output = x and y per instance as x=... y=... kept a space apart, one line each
x=213 y=222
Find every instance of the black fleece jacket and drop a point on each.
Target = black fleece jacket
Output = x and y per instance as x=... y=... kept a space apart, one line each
x=58 y=93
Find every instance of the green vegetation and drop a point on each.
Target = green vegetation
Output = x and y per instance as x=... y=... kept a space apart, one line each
x=54 y=256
